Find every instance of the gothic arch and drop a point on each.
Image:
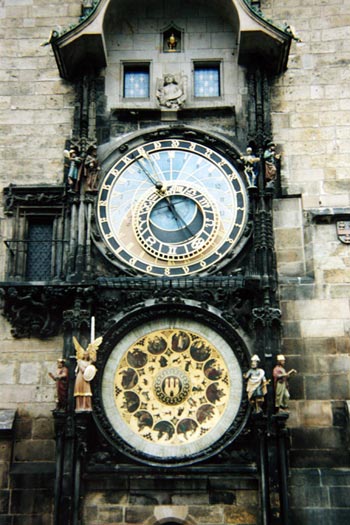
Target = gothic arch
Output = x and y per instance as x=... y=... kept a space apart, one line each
x=171 y=515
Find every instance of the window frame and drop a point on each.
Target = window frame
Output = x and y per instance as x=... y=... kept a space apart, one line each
x=33 y=220
x=29 y=204
x=207 y=64
x=146 y=64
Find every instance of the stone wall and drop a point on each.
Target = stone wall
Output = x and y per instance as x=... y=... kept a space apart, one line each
x=35 y=104
x=145 y=501
x=35 y=117
x=311 y=101
x=320 y=496
x=36 y=111
x=310 y=104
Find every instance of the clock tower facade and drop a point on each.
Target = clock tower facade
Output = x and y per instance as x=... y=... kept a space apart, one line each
x=152 y=263
x=182 y=287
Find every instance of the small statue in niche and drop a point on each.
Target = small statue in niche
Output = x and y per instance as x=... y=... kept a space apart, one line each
x=85 y=372
x=171 y=91
x=256 y=384
x=91 y=169
x=172 y=42
x=73 y=162
x=61 y=378
x=251 y=167
x=280 y=378
x=270 y=158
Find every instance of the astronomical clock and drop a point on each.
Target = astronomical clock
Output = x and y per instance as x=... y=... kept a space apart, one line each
x=170 y=385
x=171 y=207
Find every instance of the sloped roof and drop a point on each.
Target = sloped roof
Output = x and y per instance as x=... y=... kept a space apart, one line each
x=81 y=49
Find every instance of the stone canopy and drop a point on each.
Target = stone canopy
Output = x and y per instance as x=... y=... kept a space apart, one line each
x=82 y=49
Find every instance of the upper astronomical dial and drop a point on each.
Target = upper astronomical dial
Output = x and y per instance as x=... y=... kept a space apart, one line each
x=171 y=208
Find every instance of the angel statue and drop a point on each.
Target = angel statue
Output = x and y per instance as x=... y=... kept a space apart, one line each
x=85 y=372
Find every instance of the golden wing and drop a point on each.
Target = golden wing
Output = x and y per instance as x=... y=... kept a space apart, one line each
x=78 y=348
x=92 y=349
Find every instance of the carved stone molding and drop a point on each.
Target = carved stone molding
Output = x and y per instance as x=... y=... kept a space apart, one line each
x=32 y=196
x=267 y=315
x=37 y=311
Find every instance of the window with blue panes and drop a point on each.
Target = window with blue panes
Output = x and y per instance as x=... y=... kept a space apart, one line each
x=136 y=81
x=207 y=80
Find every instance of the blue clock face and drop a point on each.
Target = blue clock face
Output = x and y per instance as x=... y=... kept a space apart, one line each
x=172 y=208
x=176 y=218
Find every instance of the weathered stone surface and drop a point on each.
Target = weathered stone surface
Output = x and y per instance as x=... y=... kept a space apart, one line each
x=339 y=496
x=306 y=496
x=293 y=346
x=225 y=498
x=7 y=374
x=336 y=477
x=305 y=477
x=321 y=309
x=315 y=414
x=24 y=428
x=4 y=473
x=31 y=501
x=162 y=498
x=207 y=514
x=110 y=515
x=317 y=387
x=190 y=499
x=6 y=520
x=311 y=458
x=41 y=519
x=320 y=515
x=240 y=515
x=317 y=438
x=4 y=501
x=38 y=450
x=138 y=514
x=321 y=345
x=316 y=327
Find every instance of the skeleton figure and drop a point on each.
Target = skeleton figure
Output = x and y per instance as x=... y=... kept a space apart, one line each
x=251 y=167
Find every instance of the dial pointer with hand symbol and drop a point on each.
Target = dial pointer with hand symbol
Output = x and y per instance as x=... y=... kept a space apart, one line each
x=157 y=183
x=162 y=189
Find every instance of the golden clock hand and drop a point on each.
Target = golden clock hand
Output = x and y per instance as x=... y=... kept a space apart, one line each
x=158 y=184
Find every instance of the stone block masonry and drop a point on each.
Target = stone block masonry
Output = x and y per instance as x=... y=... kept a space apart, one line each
x=32 y=96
